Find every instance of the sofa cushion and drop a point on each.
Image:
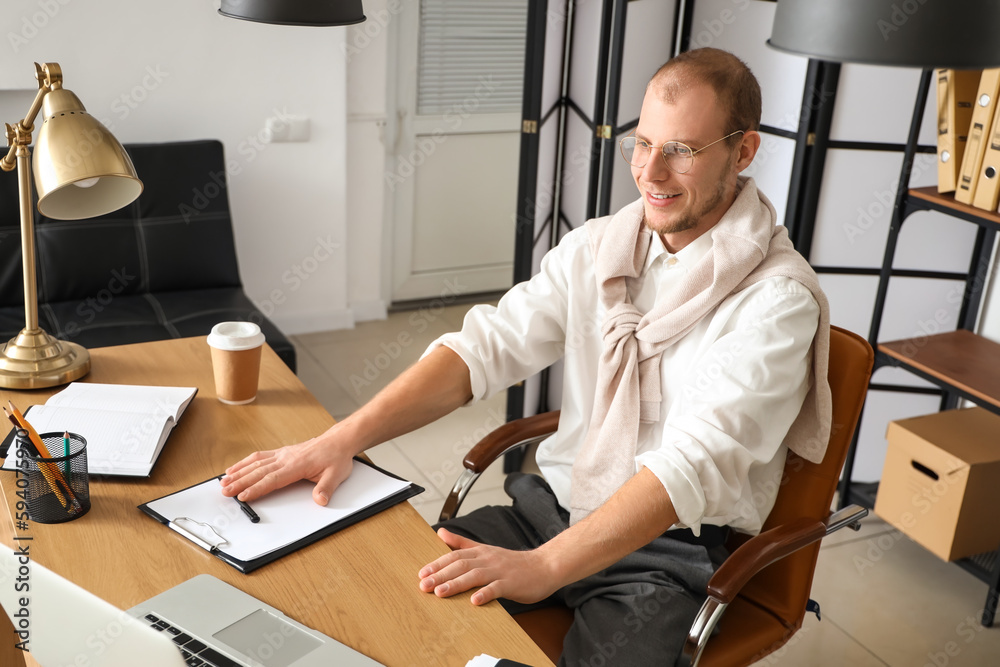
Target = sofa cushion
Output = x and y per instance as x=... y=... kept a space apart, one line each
x=131 y=318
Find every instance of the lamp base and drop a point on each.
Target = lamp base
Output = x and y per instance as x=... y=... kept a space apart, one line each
x=34 y=360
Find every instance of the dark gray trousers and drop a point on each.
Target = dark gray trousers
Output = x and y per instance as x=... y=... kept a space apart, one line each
x=636 y=612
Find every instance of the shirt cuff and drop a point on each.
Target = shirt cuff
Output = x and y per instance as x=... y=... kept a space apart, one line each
x=680 y=480
x=477 y=377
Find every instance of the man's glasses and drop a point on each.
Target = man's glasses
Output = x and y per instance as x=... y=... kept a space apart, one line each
x=679 y=157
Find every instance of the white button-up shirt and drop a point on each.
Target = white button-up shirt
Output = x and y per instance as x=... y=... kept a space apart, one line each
x=731 y=387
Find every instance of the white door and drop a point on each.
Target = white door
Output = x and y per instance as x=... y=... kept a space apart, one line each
x=452 y=179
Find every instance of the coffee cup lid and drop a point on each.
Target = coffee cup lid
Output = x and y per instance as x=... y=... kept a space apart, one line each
x=236 y=336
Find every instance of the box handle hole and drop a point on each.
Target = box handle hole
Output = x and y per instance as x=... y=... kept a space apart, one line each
x=924 y=469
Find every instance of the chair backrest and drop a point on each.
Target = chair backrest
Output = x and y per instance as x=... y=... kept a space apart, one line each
x=807 y=489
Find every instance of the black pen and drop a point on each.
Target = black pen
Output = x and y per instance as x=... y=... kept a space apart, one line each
x=247 y=510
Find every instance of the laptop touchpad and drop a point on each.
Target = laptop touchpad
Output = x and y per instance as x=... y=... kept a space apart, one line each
x=268 y=639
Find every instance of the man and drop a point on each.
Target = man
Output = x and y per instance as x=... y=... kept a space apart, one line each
x=686 y=324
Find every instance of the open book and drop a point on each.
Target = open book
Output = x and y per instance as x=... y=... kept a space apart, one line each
x=124 y=425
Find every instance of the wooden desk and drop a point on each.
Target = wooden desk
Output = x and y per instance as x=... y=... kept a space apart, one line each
x=358 y=586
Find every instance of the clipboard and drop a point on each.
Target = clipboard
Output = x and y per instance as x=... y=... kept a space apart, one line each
x=202 y=515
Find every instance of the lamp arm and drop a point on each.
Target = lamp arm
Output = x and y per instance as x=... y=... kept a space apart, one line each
x=49 y=77
x=27 y=240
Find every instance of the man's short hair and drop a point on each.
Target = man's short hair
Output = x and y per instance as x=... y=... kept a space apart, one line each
x=734 y=84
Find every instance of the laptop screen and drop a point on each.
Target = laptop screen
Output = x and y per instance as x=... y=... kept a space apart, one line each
x=60 y=623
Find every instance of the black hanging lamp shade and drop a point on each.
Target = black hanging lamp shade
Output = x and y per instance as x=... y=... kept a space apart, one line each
x=954 y=34
x=295 y=12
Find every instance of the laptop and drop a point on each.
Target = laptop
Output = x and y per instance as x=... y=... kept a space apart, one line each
x=202 y=622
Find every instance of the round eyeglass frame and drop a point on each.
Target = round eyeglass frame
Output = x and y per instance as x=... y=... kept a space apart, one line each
x=663 y=154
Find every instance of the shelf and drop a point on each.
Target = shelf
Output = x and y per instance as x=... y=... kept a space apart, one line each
x=864 y=494
x=960 y=359
x=981 y=566
x=931 y=199
x=959 y=362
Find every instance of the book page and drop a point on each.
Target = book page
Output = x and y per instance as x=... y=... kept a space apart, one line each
x=165 y=401
x=286 y=515
x=117 y=442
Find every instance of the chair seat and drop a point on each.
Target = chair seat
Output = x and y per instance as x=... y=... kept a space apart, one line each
x=547 y=627
x=744 y=629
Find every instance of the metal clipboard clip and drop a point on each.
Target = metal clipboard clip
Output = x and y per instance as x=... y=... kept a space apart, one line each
x=204 y=544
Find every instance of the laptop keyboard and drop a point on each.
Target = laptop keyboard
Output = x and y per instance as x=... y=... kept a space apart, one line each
x=196 y=653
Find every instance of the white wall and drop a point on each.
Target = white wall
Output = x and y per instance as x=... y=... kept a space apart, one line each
x=178 y=70
x=370 y=56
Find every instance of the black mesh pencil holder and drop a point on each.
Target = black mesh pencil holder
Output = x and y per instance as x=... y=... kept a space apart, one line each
x=58 y=486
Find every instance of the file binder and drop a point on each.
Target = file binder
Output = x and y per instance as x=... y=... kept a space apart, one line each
x=289 y=518
x=988 y=186
x=956 y=93
x=979 y=128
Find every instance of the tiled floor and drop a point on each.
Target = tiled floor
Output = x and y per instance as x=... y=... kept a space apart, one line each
x=885 y=600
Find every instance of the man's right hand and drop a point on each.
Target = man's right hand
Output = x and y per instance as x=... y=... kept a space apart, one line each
x=430 y=389
x=265 y=471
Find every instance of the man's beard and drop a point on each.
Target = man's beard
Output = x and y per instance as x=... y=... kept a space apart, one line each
x=690 y=219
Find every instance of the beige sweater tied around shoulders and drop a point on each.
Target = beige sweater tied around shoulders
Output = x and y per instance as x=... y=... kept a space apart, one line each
x=748 y=246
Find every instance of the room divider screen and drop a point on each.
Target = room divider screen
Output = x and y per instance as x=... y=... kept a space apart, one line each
x=586 y=68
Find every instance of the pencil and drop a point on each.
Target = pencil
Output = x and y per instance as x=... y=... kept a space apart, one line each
x=32 y=433
x=66 y=454
x=49 y=471
x=11 y=418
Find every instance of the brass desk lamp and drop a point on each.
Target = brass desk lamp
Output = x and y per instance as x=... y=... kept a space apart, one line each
x=81 y=171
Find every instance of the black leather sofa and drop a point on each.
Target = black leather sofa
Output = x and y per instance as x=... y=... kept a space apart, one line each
x=162 y=267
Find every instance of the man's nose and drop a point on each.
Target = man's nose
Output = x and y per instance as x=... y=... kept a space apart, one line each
x=656 y=168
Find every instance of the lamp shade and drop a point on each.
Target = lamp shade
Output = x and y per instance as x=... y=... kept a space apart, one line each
x=295 y=12
x=954 y=34
x=81 y=171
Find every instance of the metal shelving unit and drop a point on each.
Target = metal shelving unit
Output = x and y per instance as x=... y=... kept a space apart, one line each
x=961 y=364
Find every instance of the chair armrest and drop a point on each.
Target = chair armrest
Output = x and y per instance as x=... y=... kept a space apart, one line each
x=759 y=552
x=752 y=557
x=772 y=545
x=518 y=433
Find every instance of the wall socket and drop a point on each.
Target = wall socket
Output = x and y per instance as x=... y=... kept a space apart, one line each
x=287 y=129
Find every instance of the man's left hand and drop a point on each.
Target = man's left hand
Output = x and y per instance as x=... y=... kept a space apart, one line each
x=521 y=576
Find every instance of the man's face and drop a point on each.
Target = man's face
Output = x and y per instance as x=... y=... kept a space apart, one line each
x=681 y=207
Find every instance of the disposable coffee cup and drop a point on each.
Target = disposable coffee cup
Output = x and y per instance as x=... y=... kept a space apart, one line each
x=236 y=348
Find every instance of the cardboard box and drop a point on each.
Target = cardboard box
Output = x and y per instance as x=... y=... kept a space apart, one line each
x=941 y=481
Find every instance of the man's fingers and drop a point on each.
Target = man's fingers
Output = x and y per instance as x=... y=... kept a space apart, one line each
x=326 y=485
x=439 y=562
x=256 y=483
x=455 y=541
x=459 y=583
x=487 y=593
x=237 y=468
x=435 y=568
x=240 y=472
x=270 y=480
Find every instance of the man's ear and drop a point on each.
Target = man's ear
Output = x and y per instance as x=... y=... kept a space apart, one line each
x=749 y=143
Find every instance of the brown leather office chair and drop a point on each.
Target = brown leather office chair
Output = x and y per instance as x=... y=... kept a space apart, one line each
x=763 y=587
